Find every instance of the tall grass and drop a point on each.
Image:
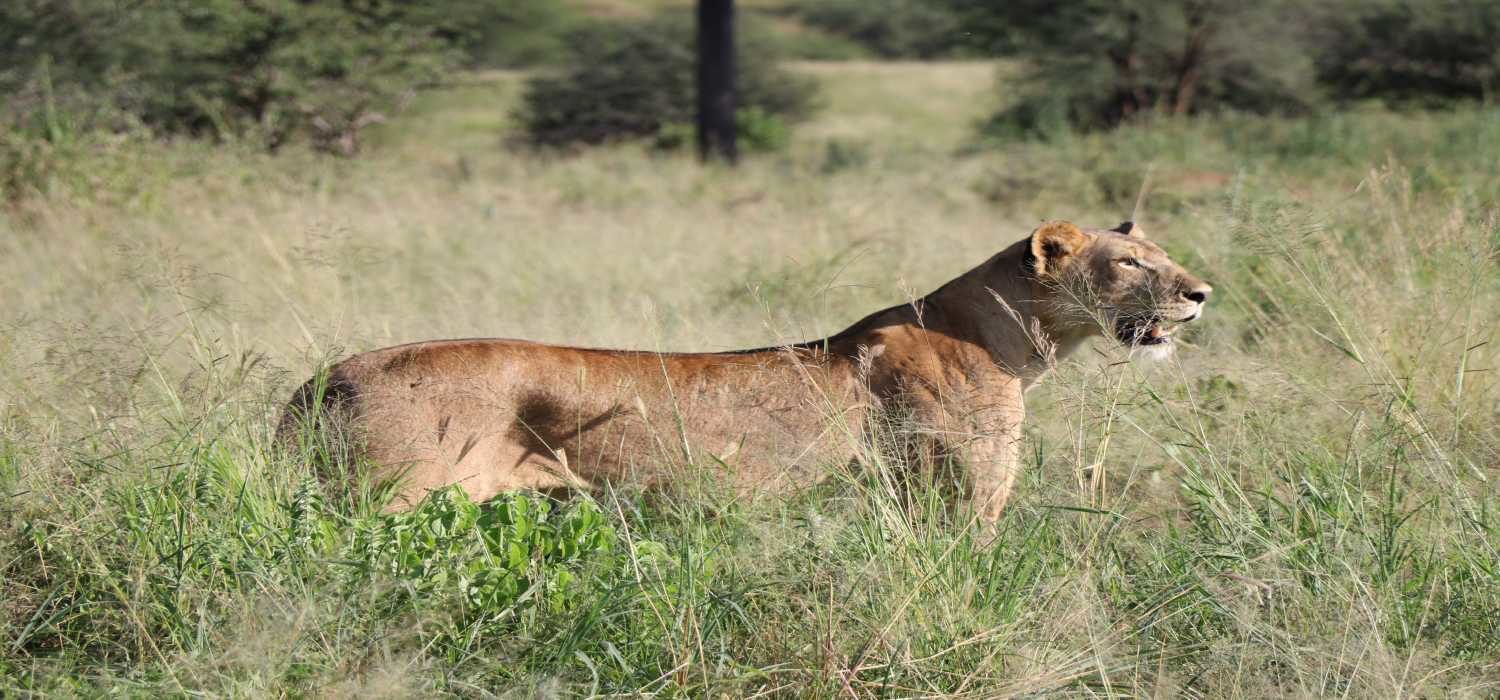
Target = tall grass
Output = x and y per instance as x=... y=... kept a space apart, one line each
x=1301 y=502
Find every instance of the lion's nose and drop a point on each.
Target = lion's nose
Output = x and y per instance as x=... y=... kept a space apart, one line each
x=1198 y=294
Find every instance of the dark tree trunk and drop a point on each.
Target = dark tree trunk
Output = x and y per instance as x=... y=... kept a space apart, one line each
x=1132 y=97
x=716 y=91
x=1190 y=70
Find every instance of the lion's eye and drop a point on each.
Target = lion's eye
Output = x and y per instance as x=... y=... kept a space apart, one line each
x=1130 y=262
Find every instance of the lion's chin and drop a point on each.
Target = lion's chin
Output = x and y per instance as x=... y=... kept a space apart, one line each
x=1155 y=352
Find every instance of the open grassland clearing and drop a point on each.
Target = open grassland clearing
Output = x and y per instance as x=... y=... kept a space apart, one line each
x=1302 y=502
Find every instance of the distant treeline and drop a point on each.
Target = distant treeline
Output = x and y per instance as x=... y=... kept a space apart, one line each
x=1097 y=63
x=267 y=70
x=275 y=71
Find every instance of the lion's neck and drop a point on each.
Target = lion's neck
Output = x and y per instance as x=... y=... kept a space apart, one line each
x=995 y=307
x=990 y=308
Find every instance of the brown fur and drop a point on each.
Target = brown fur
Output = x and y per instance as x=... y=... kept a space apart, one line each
x=500 y=415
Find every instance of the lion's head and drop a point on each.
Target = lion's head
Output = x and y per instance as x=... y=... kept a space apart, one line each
x=1113 y=282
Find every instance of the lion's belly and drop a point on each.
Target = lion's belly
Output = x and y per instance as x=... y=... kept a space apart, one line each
x=506 y=416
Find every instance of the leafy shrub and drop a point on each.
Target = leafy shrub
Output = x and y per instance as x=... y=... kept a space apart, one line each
x=629 y=80
x=31 y=163
x=889 y=28
x=1412 y=51
x=759 y=131
x=27 y=164
x=515 y=551
x=269 y=72
x=62 y=140
x=1097 y=63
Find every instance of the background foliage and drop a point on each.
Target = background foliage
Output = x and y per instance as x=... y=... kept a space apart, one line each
x=274 y=72
x=266 y=72
x=1415 y=52
x=1097 y=64
x=1094 y=65
x=632 y=80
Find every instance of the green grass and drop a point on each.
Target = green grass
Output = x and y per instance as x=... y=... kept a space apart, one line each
x=1302 y=502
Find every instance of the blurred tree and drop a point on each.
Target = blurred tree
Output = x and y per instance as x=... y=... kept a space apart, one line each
x=1096 y=63
x=1421 y=51
x=985 y=27
x=268 y=70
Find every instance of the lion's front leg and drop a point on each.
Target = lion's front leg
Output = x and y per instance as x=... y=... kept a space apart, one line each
x=986 y=435
x=994 y=461
x=993 y=452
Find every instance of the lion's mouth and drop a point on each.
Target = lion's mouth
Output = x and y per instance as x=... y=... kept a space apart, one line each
x=1146 y=332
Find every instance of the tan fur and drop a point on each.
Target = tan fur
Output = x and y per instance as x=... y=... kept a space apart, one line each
x=500 y=415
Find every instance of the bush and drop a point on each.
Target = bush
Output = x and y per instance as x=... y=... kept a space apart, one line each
x=502 y=34
x=61 y=139
x=1410 y=51
x=483 y=562
x=32 y=163
x=630 y=80
x=1097 y=63
x=890 y=28
x=269 y=71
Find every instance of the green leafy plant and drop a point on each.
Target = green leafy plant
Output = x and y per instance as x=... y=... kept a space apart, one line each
x=513 y=551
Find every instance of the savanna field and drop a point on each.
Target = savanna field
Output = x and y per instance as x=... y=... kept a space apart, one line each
x=1301 y=502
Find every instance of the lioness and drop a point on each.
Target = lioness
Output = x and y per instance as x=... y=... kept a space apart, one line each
x=501 y=415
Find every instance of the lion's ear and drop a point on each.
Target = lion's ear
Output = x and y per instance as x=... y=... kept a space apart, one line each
x=1054 y=241
x=1130 y=228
